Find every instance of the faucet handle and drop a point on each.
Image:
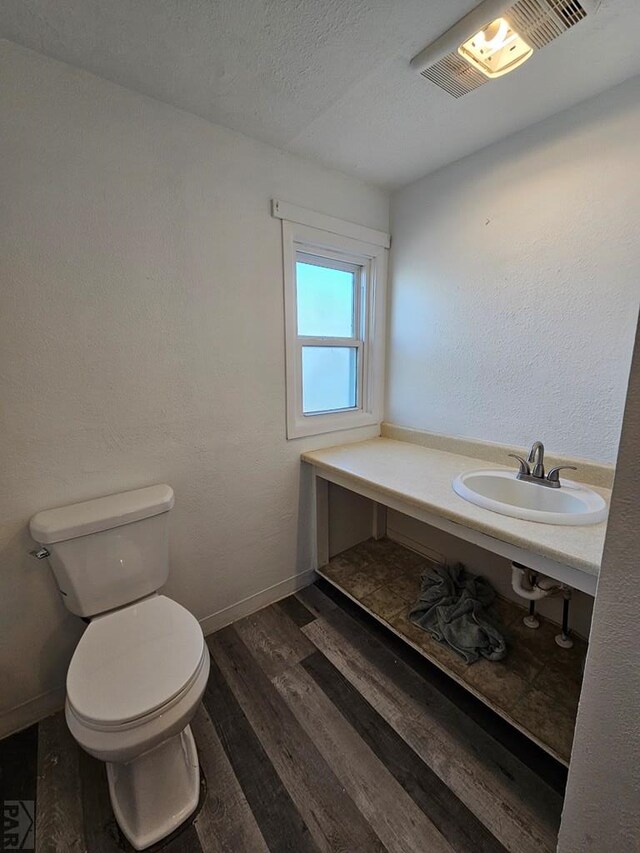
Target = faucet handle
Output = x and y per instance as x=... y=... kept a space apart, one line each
x=554 y=474
x=524 y=465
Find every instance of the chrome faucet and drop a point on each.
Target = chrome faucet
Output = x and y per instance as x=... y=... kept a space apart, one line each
x=536 y=458
x=536 y=474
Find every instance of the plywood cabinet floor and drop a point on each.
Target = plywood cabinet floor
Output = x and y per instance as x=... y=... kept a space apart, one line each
x=536 y=687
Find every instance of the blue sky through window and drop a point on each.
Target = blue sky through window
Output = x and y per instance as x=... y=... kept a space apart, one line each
x=325 y=301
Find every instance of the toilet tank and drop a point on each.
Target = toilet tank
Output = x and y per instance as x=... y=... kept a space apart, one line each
x=110 y=551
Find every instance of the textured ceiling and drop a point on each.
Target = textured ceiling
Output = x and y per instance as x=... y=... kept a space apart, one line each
x=327 y=79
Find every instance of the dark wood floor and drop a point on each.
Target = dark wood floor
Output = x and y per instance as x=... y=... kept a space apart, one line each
x=319 y=731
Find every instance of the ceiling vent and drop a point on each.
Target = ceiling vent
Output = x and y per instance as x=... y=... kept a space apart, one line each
x=495 y=38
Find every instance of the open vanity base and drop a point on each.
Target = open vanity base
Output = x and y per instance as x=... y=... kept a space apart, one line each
x=536 y=687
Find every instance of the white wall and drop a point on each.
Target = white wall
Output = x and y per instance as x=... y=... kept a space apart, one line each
x=601 y=804
x=141 y=336
x=515 y=284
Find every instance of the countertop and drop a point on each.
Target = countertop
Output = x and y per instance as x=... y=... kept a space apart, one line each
x=422 y=476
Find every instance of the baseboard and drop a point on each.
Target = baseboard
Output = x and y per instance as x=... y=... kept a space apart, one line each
x=31 y=712
x=256 y=601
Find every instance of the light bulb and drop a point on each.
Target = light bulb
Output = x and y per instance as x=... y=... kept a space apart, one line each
x=495 y=35
x=496 y=49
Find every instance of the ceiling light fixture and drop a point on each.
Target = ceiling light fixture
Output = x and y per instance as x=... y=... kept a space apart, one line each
x=495 y=38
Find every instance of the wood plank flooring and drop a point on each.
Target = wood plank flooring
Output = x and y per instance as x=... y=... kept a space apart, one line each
x=319 y=731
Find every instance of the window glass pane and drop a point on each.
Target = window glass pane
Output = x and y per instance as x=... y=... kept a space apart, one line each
x=329 y=378
x=325 y=301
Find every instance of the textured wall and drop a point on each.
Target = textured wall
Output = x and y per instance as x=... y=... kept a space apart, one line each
x=601 y=804
x=141 y=336
x=515 y=285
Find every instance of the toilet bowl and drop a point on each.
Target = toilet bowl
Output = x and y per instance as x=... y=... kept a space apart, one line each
x=133 y=686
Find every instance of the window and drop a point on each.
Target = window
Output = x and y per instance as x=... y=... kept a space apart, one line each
x=334 y=319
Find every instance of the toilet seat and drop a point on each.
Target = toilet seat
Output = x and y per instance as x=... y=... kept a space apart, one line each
x=139 y=722
x=132 y=664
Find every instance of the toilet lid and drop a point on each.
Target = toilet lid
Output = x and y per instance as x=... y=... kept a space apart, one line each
x=130 y=662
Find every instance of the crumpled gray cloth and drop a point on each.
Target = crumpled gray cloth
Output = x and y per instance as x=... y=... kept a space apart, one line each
x=452 y=608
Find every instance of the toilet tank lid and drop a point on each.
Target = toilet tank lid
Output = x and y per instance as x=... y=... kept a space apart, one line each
x=69 y=522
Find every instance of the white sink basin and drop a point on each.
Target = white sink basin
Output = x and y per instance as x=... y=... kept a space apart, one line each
x=501 y=492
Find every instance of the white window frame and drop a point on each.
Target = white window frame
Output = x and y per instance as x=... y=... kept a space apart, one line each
x=369 y=258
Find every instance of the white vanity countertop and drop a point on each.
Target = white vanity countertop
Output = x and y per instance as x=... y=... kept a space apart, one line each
x=422 y=477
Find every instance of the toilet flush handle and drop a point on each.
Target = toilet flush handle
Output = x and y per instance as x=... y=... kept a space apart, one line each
x=40 y=553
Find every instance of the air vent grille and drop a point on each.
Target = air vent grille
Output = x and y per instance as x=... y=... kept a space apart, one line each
x=571 y=12
x=541 y=21
x=453 y=74
x=538 y=22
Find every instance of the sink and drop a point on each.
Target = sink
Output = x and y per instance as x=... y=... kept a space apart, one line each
x=501 y=492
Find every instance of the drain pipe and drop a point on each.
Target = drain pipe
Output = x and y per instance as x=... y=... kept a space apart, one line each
x=563 y=639
x=534 y=587
x=532 y=621
x=531 y=586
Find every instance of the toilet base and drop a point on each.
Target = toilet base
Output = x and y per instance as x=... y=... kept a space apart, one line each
x=154 y=793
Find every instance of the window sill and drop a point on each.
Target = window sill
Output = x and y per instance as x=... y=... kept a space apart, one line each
x=332 y=422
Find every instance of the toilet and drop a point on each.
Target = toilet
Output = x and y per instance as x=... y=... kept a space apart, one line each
x=140 y=669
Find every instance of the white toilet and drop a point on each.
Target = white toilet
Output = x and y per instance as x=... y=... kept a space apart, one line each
x=141 y=667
